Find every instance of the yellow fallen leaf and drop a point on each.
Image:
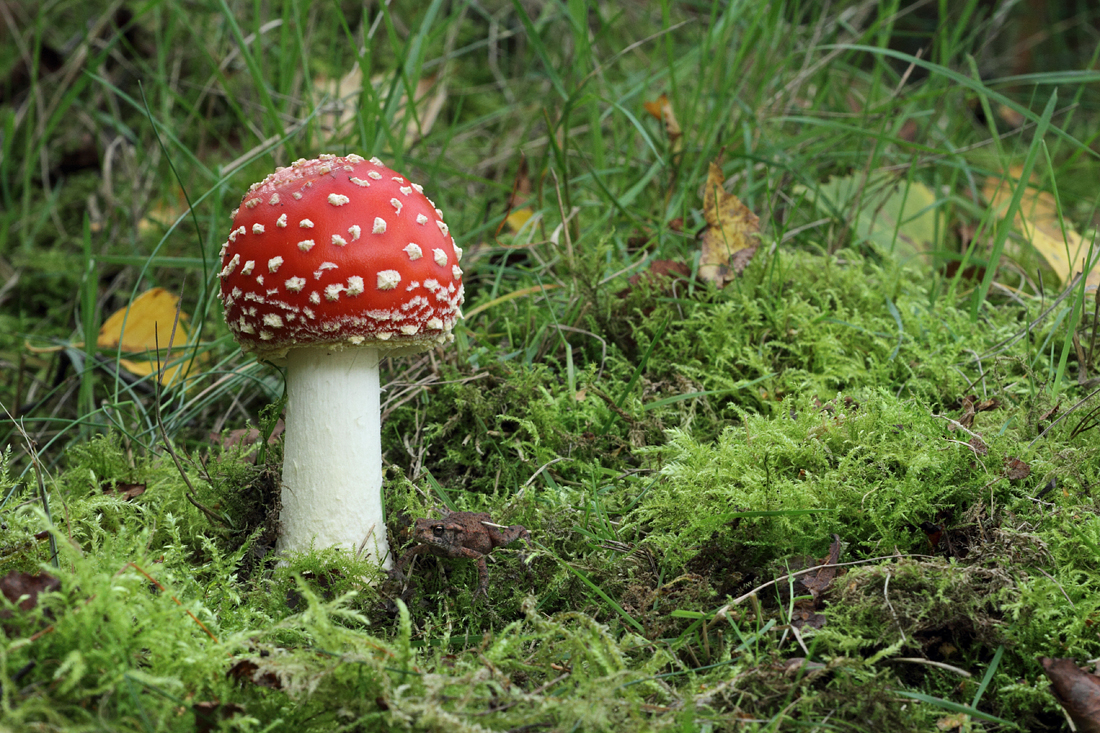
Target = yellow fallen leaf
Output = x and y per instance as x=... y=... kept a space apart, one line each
x=1038 y=221
x=731 y=235
x=518 y=218
x=147 y=321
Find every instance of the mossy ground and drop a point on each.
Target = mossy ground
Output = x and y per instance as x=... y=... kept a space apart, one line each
x=671 y=446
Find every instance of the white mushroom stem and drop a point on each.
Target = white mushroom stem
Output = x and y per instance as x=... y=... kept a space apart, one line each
x=332 y=455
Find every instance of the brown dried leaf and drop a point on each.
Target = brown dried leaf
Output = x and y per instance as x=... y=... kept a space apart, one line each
x=1015 y=469
x=208 y=714
x=17 y=584
x=517 y=218
x=661 y=276
x=246 y=669
x=1038 y=219
x=143 y=325
x=805 y=611
x=817 y=583
x=958 y=721
x=246 y=437
x=732 y=233
x=966 y=419
x=986 y=405
x=934 y=532
x=342 y=104
x=804 y=616
x=123 y=490
x=1076 y=691
x=978 y=446
x=660 y=270
x=800 y=665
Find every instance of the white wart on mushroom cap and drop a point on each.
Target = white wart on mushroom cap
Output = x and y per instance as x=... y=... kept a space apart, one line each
x=339 y=251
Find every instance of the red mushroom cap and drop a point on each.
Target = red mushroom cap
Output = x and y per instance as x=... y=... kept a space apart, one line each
x=339 y=251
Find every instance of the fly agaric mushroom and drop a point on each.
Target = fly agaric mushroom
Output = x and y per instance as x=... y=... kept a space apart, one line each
x=331 y=264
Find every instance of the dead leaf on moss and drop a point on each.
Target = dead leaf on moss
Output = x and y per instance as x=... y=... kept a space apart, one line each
x=820 y=581
x=970 y=408
x=732 y=233
x=1037 y=219
x=247 y=437
x=208 y=715
x=658 y=272
x=805 y=611
x=519 y=213
x=1015 y=469
x=160 y=216
x=141 y=326
x=1077 y=691
x=516 y=219
x=797 y=666
x=966 y=418
x=978 y=446
x=18 y=584
x=1010 y=117
x=248 y=670
x=123 y=490
x=934 y=532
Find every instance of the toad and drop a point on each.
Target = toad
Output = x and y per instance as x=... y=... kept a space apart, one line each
x=471 y=535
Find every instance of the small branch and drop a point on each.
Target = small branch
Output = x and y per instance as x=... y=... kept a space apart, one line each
x=930 y=663
x=752 y=593
x=611 y=404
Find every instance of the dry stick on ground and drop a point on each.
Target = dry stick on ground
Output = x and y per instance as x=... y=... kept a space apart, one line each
x=614 y=408
x=930 y=663
x=752 y=593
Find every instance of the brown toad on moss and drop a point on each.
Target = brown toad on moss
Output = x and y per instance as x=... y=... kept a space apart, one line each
x=470 y=535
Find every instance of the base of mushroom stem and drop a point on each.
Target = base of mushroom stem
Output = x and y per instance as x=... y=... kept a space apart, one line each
x=281 y=552
x=332 y=453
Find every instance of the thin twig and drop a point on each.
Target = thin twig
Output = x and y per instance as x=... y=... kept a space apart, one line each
x=154 y=581
x=930 y=663
x=752 y=593
x=886 y=597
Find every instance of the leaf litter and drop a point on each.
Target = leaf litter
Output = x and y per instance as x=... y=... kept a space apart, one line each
x=731 y=235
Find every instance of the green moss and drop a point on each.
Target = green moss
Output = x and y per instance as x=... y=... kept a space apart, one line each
x=871 y=471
